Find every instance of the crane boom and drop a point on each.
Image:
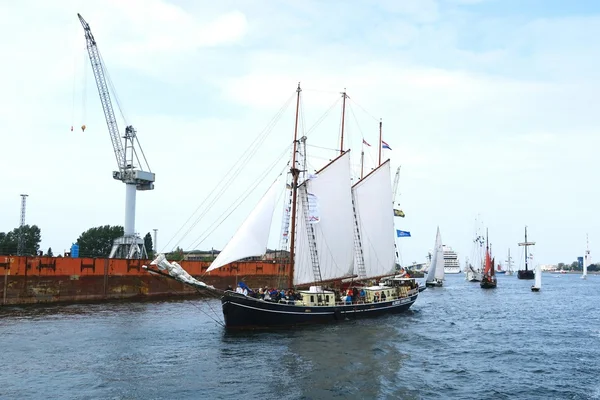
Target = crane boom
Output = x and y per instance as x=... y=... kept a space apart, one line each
x=131 y=245
x=109 y=113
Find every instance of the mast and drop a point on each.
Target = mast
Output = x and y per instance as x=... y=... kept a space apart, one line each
x=344 y=96
x=526 y=243
x=295 y=173
x=380 y=141
x=526 y=249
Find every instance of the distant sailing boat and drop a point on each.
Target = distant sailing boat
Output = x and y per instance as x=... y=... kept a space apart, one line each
x=537 y=285
x=500 y=271
x=337 y=231
x=489 y=278
x=473 y=271
x=509 y=263
x=587 y=258
x=435 y=275
x=526 y=273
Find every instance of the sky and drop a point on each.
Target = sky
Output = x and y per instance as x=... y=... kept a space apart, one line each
x=489 y=106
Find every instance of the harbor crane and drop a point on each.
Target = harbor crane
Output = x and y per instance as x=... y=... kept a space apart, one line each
x=133 y=171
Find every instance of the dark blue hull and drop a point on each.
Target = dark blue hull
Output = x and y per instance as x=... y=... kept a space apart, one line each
x=525 y=274
x=243 y=312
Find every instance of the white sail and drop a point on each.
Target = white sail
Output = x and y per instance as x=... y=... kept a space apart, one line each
x=436 y=270
x=439 y=268
x=538 y=277
x=251 y=238
x=375 y=214
x=331 y=188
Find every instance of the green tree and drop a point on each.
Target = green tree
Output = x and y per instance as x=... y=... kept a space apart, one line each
x=97 y=242
x=575 y=266
x=176 y=255
x=32 y=236
x=49 y=252
x=2 y=245
x=149 y=245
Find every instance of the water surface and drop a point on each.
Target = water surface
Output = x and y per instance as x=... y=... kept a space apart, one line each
x=459 y=341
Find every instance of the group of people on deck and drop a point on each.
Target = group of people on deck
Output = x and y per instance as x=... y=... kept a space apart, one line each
x=267 y=294
x=353 y=295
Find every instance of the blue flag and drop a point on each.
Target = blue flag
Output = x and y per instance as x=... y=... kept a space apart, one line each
x=402 y=233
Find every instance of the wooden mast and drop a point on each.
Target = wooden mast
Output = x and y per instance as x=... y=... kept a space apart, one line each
x=380 y=141
x=295 y=173
x=526 y=244
x=344 y=95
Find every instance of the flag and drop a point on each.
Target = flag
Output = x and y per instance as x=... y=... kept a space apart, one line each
x=385 y=145
x=402 y=233
x=398 y=213
x=365 y=142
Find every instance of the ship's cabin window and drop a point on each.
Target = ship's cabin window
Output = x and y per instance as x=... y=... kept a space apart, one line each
x=327 y=299
x=312 y=299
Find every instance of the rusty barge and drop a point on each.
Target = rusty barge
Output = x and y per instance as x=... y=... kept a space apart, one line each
x=33 y=280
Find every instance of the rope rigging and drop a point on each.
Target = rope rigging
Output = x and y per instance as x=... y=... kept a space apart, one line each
x=225 y=183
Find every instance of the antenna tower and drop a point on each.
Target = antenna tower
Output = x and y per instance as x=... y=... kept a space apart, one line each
x=21 y=243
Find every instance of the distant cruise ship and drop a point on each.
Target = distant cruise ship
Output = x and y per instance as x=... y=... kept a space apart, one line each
x=451 y=265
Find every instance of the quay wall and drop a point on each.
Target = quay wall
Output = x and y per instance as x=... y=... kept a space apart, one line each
x=31 y=280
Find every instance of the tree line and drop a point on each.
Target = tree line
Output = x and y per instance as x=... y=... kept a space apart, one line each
x=94 y=242
x=574 y=266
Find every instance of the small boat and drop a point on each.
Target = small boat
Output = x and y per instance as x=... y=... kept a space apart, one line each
x=537 y=285
x=472 y=275
x=500 y=271
x=509 y=264
x=435 y=275
x=473 y=270
x=489 y=278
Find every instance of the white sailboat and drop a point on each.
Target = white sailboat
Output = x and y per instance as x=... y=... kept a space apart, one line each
x=537 y=283
x=337 y=230
x=435 y=275
x=474 y=269
x=587 y=258
x=509 y=264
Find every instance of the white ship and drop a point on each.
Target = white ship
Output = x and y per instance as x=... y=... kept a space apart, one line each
x=451 y=265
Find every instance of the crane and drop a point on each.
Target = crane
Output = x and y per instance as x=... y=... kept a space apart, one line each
x=139 y=177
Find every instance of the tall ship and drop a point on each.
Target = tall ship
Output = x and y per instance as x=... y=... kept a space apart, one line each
x=526 y=273
x=451 y=264
x=341 y=246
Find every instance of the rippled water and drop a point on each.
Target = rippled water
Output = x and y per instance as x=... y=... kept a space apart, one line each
x=458 y=341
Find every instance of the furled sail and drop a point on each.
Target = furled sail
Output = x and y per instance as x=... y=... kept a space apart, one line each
x=375 y=215
x=331 y=188
x=252 y=237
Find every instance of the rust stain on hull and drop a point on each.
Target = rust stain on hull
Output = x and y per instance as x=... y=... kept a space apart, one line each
x=30 y=280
